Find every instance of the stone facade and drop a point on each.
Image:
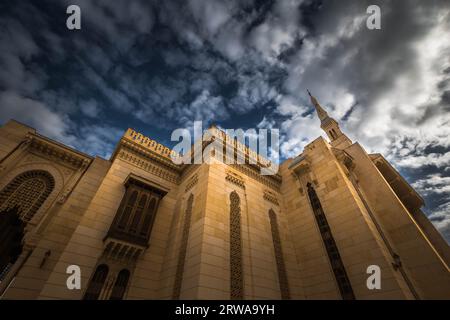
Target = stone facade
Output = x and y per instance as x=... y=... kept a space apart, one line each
x=141 y=227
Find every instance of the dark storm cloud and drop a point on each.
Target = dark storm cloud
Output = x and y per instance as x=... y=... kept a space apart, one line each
x=157 y=65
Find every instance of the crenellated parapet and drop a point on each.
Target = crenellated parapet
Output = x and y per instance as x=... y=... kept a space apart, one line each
x=250 y=156
x=149 y=155
x=145 y=152
x=152 y=145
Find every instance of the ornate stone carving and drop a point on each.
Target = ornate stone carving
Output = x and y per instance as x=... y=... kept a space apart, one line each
x=152 y=145
x=332 y=250
x=41 y=166
x=235 y=179
x=236 y=273
x=58 y=153
x=243 y=150
x=28 y=191
x=271 y=197
x=192 y=182
x=273 y=181
x=27 y=141
x=63 y=197
x=122 y=251
x=148 y=166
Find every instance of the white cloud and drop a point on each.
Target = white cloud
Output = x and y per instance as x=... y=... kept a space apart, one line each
x=119 y=21
x=433 y=183
x=211 y=14
x=92 y=139
x=90 y=108
x=17 y=49
x=279 y=30
x=204 y=108
x=416 y=161
x=34 y=113
x=297 y=133
x=98 y=139
x=441 y=219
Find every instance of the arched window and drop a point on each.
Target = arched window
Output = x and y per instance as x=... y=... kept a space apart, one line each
x=281 y=267
x=335 y=134
x=27 y=191
x=98 y=280
x=136 y=213
x=237 y=279
x=148 y=219
x=129 y=206
x=120 y=285
x=339 y=271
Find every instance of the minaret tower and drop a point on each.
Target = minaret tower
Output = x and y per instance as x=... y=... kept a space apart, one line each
x=331 y=127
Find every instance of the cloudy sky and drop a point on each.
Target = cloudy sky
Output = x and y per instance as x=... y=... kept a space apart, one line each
x=160 y=65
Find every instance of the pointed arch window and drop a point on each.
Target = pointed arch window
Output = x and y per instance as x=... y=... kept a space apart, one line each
x=281 y=266
x=236 y=273
x=335 y=135
x=97 y=282
x=138 y=213
x=129 y=206
x=337 y=265
x=148 y=218
x=28 y=191
x=120 y=285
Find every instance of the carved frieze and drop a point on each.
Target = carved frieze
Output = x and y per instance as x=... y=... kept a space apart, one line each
x=271 y=181
x=271 y=197
x=57 y=153
x=148 y=166
x=235 y=179
x=192 y=182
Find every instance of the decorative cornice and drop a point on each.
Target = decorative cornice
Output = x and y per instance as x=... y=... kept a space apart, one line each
x=123 y=251
x=57 y=152
x=271 y=197
x=235 y=179
x=268 y=180
x=149 y=154
x=149 y=147
x=192 y=182
x=149 y=166
x=250 y=155
x=151 y=150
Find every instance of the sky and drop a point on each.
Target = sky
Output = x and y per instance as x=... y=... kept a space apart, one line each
x=160 y=65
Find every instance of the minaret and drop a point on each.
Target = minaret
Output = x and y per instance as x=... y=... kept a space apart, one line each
x=330 y=126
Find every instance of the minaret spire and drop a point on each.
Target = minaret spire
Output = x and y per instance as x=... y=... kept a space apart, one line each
x=328 y=124
x=320 y=111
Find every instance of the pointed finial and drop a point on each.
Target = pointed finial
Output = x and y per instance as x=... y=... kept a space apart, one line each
x=320 y=111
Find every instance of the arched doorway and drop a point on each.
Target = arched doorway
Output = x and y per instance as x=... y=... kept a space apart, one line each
x=11 y=235
x=19 y=201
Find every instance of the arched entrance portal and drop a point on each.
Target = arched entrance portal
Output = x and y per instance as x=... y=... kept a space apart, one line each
x=19 y=201
x=11 y=235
